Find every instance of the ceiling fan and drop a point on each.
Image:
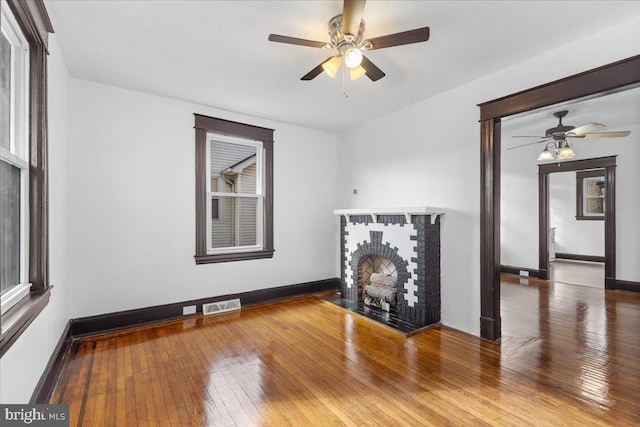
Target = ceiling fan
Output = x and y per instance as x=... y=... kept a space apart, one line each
x=346 y=35
x=559 y=138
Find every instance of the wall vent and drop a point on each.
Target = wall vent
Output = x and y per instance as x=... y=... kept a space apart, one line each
x=221 y=306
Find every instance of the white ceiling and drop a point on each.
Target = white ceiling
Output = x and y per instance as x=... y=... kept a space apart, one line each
x=216 y=53
x=618 y=111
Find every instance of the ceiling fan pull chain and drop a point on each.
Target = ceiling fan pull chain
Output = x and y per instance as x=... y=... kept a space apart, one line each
x=344 y=82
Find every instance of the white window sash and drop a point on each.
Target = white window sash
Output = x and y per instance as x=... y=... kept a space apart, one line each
x=18 y=154
x=11 y=297
x=258 y=195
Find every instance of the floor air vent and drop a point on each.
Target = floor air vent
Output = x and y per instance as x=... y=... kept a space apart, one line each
x=221 y=306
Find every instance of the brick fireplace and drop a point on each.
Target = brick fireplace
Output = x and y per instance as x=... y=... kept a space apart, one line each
x=398 y=246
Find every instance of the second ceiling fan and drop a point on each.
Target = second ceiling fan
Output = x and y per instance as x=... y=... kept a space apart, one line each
x=346 y=35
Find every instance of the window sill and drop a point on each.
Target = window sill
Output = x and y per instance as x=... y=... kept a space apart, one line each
x=235 y=256
x=589 y=218
x=16 y=320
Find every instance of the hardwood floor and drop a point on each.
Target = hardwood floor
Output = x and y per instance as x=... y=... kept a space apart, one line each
x=570 y=356
x=582 y=273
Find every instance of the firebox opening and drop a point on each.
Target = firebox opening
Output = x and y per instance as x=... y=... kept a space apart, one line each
x=377 y=282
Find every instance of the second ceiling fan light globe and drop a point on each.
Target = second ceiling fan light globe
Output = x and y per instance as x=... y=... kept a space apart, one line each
x=331 y=66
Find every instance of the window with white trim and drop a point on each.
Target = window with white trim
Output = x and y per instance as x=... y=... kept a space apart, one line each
x=14 y=162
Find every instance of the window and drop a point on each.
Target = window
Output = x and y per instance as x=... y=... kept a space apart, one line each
x=14 y=162
x=590 y=195
x=24 y=260
x=234 y=191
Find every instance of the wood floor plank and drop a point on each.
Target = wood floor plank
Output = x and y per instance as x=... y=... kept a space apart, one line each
x=569 y=355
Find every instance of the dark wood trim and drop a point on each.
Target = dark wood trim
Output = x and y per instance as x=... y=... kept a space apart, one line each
x=589 y=218
x=49 y=377
x=543 y=225
x=578 y=165
x=204 y=124
x=142 y=316
x=201 y=196
x=16 y=320
x=516 y=270
x=38 y=172
x=237 y=256
x=606 y=78
x=490 y=230
x=34 y=21
x=591 y=173
x=268 y=202
x=610 y=77
x=610 y=225
x=626 y=285
x=227 y=127
x=578 y=257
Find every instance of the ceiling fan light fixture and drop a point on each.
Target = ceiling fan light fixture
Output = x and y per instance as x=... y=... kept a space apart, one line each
x=546 y=155
x=331 y=66
x=357 y=72
x=565 y=152
x=353 y=57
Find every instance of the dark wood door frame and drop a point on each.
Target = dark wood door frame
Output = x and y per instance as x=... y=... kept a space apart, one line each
x=607 y=78
x=609 y=166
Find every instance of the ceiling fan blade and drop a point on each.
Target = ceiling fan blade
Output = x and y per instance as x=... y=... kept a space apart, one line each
x=530 y=143
x=294 y=40
x=585 y=128
x=352 y=11
x=316 y=71
x=372 y=71
x=602 y=135
x=528 y=136
x=406 y=37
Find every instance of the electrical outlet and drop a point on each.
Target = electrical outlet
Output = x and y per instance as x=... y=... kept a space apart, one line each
x=188 y=309
x=524 y=273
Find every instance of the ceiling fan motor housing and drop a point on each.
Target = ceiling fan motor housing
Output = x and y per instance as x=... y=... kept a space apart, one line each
x=337 y=36
x=558 y=130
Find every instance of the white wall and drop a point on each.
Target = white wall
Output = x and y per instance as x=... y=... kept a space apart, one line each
x=572 y=236
x=131 y=205
x=24 y=363
x=429 y=153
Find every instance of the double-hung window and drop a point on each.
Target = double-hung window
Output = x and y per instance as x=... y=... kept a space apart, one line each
x=234 y=191
x=590 y=195
x=24 y=242
x=235 y=220
x=14 y=162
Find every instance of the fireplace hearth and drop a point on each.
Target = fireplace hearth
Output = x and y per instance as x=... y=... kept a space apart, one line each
x=391 y=265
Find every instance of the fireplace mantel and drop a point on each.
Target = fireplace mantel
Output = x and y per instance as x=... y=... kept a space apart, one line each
x=406 y=211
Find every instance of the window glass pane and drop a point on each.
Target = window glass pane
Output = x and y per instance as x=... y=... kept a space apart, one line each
x=9 y=226
x=237 y=224
x=235 y=166
x=594 y=187
x=215 y=208
x=5 y=92
x=595 y=206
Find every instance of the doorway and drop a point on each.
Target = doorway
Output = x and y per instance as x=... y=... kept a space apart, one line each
x=609 y=166
x=606 y=167
x=607 y=78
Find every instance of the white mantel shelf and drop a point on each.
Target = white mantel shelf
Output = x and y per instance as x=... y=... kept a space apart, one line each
x=406 y=211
